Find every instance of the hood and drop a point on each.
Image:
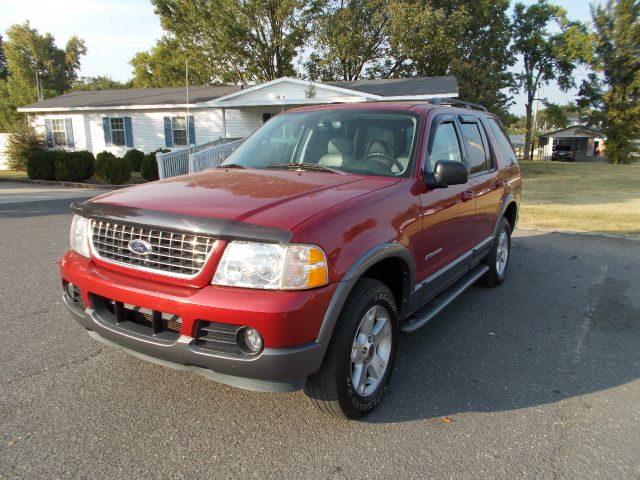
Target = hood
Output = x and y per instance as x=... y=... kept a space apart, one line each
x=271 y=198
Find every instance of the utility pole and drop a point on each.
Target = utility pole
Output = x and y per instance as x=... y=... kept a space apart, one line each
x=186 y=81
x=535 y=119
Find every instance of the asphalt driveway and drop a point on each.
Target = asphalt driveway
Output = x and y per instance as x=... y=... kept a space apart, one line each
x=536 y=379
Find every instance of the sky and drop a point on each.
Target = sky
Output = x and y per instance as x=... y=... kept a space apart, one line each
x=114 y=30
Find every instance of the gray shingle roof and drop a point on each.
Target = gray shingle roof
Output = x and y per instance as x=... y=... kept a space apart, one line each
x=395 y=87
x=135 y=96
x=172 y=96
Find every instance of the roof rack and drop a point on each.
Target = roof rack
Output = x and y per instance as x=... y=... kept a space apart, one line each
x=455 y=102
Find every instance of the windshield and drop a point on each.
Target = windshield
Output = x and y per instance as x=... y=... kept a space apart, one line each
x=363 y=142
x=564 y=148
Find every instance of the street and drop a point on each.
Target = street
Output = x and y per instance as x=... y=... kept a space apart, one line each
x=538 y=378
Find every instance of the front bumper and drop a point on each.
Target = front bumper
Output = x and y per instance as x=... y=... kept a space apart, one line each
x=279 y=367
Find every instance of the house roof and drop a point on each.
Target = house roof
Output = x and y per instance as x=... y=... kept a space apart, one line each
x=574 y=131
x=396 y=87
x=141 y=98
x=135 y=96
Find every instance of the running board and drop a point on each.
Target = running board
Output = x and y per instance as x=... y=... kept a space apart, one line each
x=435 y=306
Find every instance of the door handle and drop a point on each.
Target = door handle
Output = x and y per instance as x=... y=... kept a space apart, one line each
x=500 y=182
x=466 y=195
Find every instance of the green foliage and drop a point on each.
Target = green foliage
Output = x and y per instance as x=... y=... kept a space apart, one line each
x=28 y=52
x=116 y=171
x=41 y=164
x=253 y=40
x=546 y=55
x=134 y=158
x=615 y=94
x=149 y=170
x=21 y=143
x=73 y=166
x=101 y=163
x=4 y=71
x=99 y=83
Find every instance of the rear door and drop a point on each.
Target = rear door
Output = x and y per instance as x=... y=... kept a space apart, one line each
x=483 y=175
x=447 y=213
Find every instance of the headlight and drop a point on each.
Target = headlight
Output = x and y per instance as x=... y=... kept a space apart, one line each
x=271 y=266
x=78 y=238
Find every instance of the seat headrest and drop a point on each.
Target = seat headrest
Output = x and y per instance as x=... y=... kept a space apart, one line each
x=377 y=147
x=339 y=145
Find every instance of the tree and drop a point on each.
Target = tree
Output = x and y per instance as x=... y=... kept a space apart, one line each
x=27 y=53
x=100 y=82
x=3 y=61
x=251 y=40
x=349 y=37
x=546 y=56
x=614 y=94
x=164 y=66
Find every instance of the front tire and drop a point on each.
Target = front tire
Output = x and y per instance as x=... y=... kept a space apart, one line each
x=360 y=357
x=498 y=258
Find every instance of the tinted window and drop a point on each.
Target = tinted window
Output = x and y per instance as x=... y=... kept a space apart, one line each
x=503 y=141
x=479 y=160
x=445 y=145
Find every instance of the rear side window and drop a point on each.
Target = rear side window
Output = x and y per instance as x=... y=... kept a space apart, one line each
x=445 y=145
x=477 y=149
x=504 y=144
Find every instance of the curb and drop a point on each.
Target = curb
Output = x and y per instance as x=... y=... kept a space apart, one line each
x=52 y=183
x=584 y=234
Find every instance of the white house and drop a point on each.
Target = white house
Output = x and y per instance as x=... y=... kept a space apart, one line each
x=586 y=142
x=148 y=119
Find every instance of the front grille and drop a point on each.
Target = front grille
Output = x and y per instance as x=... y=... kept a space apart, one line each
x=218 y=337
x=138 y=319
x=176 y=254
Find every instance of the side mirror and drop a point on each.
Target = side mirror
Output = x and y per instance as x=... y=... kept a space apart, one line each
x=445 y=173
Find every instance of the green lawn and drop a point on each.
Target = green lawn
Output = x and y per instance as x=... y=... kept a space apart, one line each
x=14 y=175
x=581 y=197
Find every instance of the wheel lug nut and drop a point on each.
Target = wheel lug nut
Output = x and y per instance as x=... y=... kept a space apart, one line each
x=369 y=339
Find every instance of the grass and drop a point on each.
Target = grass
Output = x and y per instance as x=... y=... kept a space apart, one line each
x=15 y=175
x=581 y=197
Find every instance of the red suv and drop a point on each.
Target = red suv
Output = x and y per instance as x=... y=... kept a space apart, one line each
x=297 y=261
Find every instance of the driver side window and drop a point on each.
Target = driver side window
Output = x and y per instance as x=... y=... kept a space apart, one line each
x=445 y=145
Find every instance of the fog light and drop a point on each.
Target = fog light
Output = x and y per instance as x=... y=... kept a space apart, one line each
x=71 y=290
x=251 y=340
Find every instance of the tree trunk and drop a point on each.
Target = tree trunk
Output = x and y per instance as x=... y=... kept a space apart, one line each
x=528 y=133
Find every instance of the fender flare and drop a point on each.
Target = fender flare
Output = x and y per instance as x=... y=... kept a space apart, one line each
x=508 y=200
x=357 y=269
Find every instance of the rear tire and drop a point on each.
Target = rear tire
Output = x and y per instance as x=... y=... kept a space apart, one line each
x=360 y=357
x=498 y=258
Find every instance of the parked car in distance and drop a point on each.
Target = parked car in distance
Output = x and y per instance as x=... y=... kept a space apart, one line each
x=298 y=261
x=563 y=152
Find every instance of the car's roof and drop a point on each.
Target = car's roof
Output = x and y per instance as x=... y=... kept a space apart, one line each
x=415 y=106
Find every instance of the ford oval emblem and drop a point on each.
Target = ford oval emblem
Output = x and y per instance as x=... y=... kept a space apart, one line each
x=139 y=247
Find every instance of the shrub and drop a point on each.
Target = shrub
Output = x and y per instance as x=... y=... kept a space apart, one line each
x=101 y=160
x=134 y=158
x=22 y=142
x=74 y=166
x=116 y=171
x=41 y=164
x=149 y=170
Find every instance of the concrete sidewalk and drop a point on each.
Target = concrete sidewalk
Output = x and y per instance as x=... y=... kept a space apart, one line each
x=21 y=192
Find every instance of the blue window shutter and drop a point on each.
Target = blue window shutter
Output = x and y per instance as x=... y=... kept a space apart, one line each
x=48 y=133
x=106 y=126
x=168 y=134
x=192 y=130
x=128 y=132
x=68 y=126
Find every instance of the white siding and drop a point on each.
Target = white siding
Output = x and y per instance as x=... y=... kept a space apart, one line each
x=4 y=137
x=290 y=92
x=81 y=139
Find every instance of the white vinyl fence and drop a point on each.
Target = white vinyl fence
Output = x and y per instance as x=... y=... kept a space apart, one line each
x=195 y=158
x=4 y=138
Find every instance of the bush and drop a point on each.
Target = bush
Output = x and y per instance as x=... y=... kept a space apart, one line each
x=101 y=160
x=74 y=166
x=134 y=158
x=116 y=171
x=149 y=170
x=41 y=165
x=22 y=142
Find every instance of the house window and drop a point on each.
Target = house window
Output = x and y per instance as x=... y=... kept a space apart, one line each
x=179 y=130
x=117 y=131
x=59 y=132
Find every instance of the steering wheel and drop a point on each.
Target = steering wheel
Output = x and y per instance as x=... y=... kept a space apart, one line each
x=383 y=156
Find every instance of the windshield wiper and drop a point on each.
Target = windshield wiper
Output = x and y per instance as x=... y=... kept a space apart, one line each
x=303 y=166
x=231 y=165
